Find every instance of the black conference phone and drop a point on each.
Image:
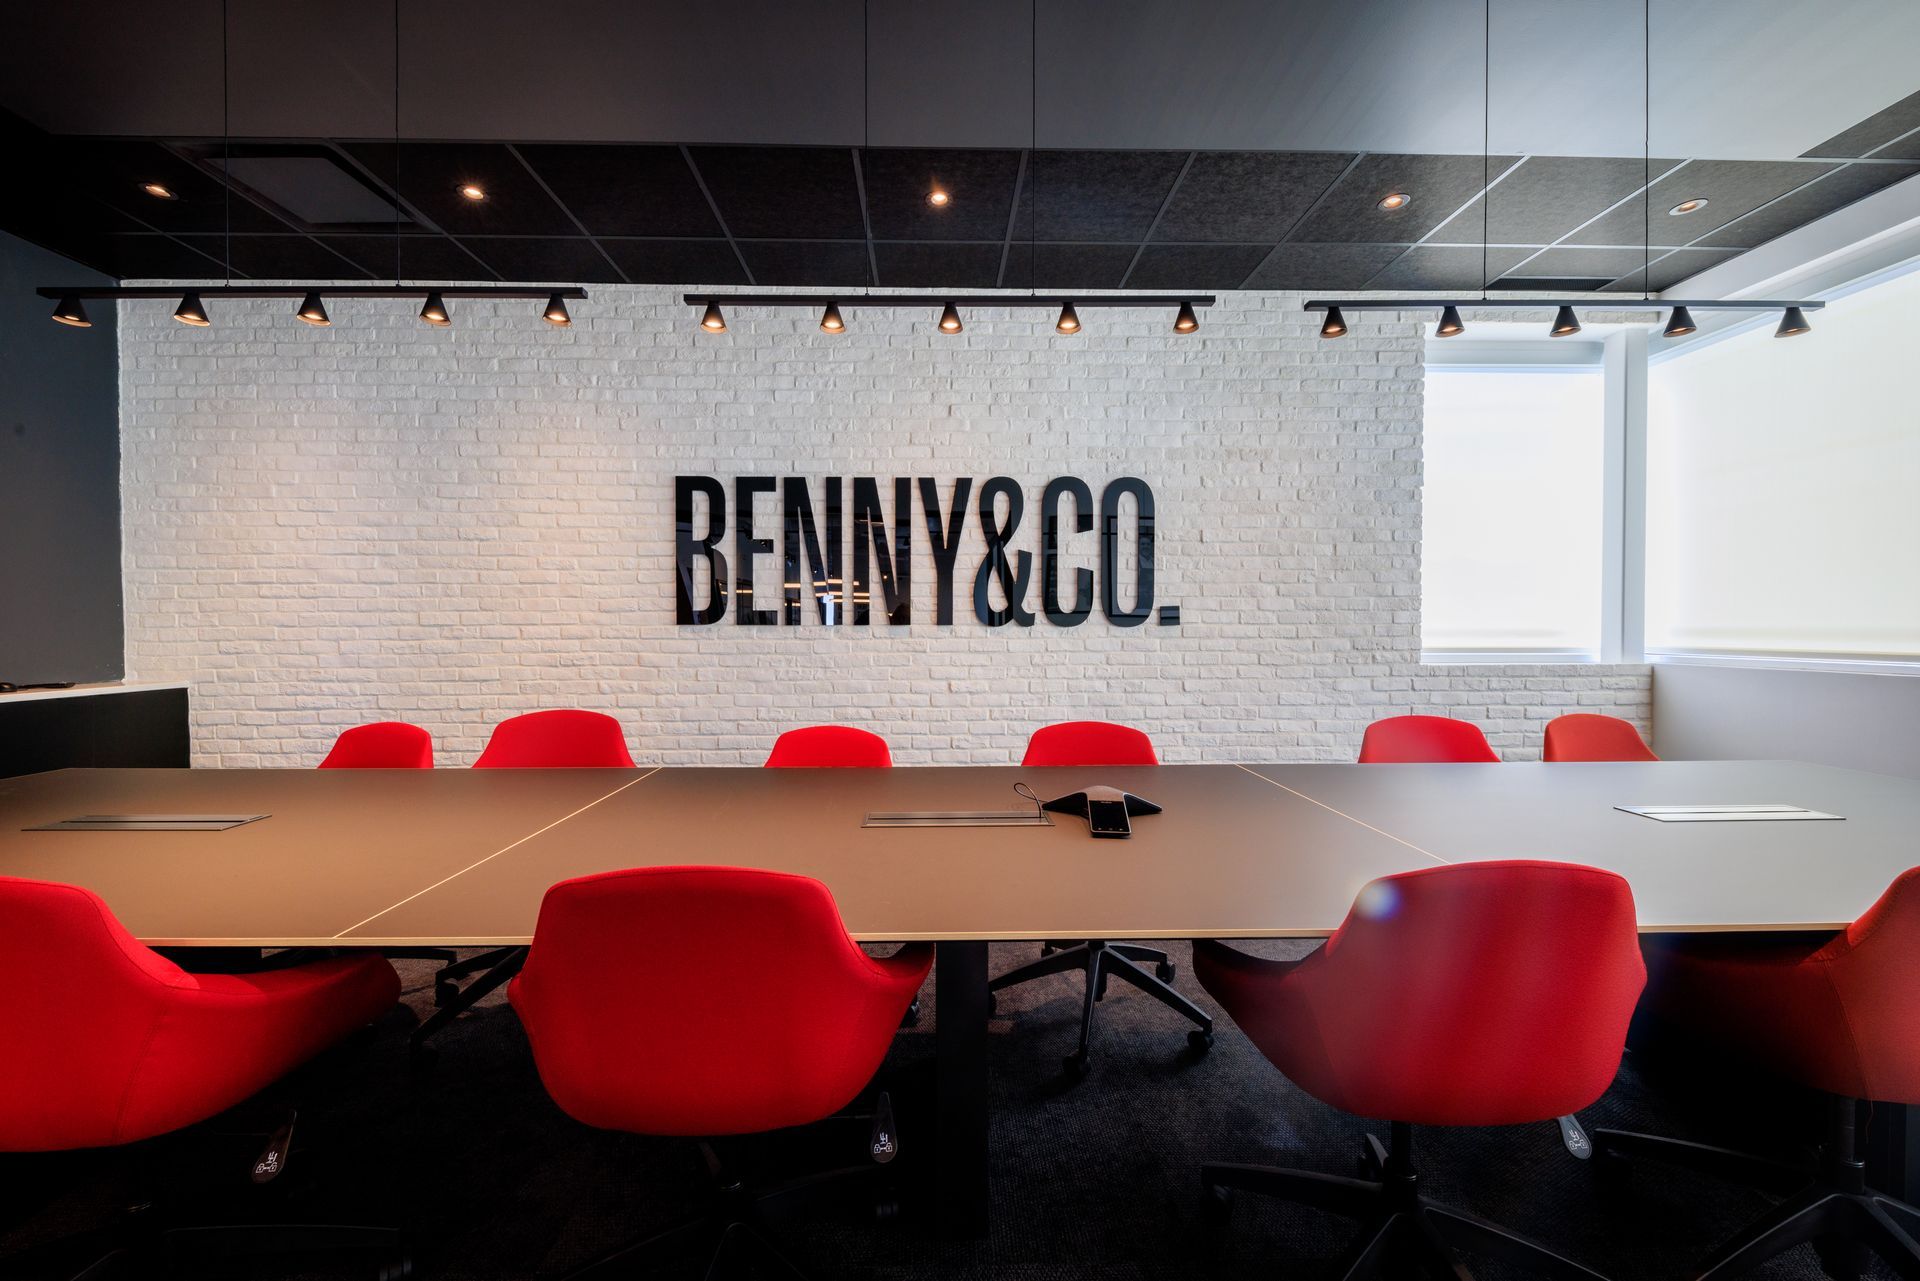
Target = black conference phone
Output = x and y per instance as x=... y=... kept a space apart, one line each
x=1108 y=810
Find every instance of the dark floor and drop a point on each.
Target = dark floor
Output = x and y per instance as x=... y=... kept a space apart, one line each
x=1097 y=1179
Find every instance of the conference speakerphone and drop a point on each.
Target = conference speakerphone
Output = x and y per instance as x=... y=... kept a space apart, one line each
x=149 y=823
x=1725 y=813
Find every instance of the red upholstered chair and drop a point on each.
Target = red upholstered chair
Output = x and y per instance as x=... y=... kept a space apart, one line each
x=381 y=745
x=1584 y=736
x=750 y=1009
x=1839 y=1015
x=1090 y=745
x=1425 y=740
x=1471 y=994
x=829 y=747
x=564 y=739
x=110 y=1043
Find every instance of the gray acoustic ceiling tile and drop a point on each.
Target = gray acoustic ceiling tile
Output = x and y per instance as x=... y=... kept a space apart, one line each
x=1429 y=267
x=806 y=193
x=1678 y=266
x=1730 y=187
x=1875 y=131
x=676 y=262
x=421 y=257
x=431 y=175
x=1907 y=148
x=806 y=262
x=1247 y=196
x=979 y=186
x=1066 y=266
x=543 y=260
x=1322 y=266
x=1195 y=267
x=1546 y=197
x=939 y=266
x=1096 y=196
x=1605 y=264
x=1439 y=186
x=1835 y=191
x=285 y=257
x=624 y=191
x=155 y=257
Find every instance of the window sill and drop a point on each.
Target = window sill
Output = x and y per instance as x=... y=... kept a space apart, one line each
x=1507 y=658
x=1788 y=662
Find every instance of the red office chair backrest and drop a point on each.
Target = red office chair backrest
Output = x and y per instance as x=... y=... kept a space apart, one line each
x=1584 y=736
x=829 y=747
x=748 y=1009
x=1414 y=740
x=1472 y=994
x=557 y=740
x=381 y=745
x=1089 y=743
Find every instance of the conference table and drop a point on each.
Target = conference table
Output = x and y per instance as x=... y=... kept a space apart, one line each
x=460 y=858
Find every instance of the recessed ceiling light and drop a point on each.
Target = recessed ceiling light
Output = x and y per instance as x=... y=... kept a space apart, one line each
x=1688 y=206
x=473 y=191
x=939 y=197
x=159 y=191
x=1395 y=200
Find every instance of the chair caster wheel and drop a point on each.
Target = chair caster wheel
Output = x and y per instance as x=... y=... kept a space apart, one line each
x=397 y=1268
x=1164 y=971
x=1048 y=949
x=886 y=1211
x=445 y=994
x=1075 y=1064
x=912 y=1017
x=1200 y=1040
x=993 y=1005
x=1216 y=1205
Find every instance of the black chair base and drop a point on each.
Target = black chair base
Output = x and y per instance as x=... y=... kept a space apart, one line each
x=452 y=1000
x=1833 y=1208
x=1099 y=961
x=137 y=1251
x=1405 y=1234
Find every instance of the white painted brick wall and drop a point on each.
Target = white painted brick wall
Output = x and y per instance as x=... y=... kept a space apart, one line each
x=384 y=520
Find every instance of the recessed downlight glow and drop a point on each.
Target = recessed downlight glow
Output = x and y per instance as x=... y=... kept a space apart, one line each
x=473 y=191
x=1395 y=200
x=939 y=197
x=1686 y=207
x=159 y=191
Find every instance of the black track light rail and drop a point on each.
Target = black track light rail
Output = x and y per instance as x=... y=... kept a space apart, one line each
x=1020 y=302
x=1586 y=303
x=539 y=293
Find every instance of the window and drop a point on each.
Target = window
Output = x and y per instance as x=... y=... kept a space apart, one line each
x=1513 y=520
x=1783 y=488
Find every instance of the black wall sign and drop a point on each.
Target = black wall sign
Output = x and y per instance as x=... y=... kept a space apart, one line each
x=813 y=538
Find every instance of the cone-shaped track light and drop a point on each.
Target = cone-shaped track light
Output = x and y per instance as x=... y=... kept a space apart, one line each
x=1679 y=324
x=712 y=321
x=1450 y=323
x=830 y=321
x=950 y=320
x=556 y=312
x=1564 y=323
x=190 y=312
x=313 y=311
x=1069 y=322
x=1793 y=321
x=1335 y=325
x=435 y=313
x=70 y=312
x=1185 y=322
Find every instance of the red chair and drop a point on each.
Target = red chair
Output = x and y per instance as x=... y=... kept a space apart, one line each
x=1091 y=745
x=112 y=1043
x=1583 y=736
x=565 y=739
x=749 y=1010
x=382 y=745
x=1839 y=1015
x=829 y=747
x=1395 y=1018
x=1425 y=740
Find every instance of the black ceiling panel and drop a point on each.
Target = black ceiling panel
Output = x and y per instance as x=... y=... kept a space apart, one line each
x=1195 y=267
x=1875 y=131
x=806 y=262
x=114 y=171
x=1430 y=267
x=1322 y=266
x=286 y=257
x=1096 y=196
x=541 y=260
x=1066 y=266
x=1907 y=148
x=1606 y=264
x=624 y=191
x=676 y=262
x=979 y=184
x=1835 y=191
x=939 y=266
x=1246 y=196
x=422 y=257
x=1680 y=264
x=1546 y=197
x=1730 y=187
x=1439 y=185
x=432 y=173
x=155 y=257
x=803 y=193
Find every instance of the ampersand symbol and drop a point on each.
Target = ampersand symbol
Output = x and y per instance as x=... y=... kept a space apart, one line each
x=1013 y=581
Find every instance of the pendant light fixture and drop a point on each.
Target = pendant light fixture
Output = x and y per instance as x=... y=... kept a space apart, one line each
x=1069 y=322
x=1565 y=323
x=1450 y=323
x=435 y=312
x=556 y=312
x=1185 y=322
x=1679 y=324
x=950 y=320
x=313 y=311
x=830 y=321
x=70 y=311
x=190 y=312
x=712 y=321
x=1793 y=322
x=1335 y=325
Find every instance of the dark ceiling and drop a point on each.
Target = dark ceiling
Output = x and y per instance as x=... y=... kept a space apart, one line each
x=846 y=217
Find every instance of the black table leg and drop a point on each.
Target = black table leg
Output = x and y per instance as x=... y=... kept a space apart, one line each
x=960 y=1039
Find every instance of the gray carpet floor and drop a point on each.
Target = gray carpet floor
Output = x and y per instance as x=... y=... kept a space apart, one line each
x=1092 y=1179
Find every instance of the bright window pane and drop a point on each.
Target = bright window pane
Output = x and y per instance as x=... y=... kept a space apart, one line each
x=1783 y=487
x=1512 y=522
